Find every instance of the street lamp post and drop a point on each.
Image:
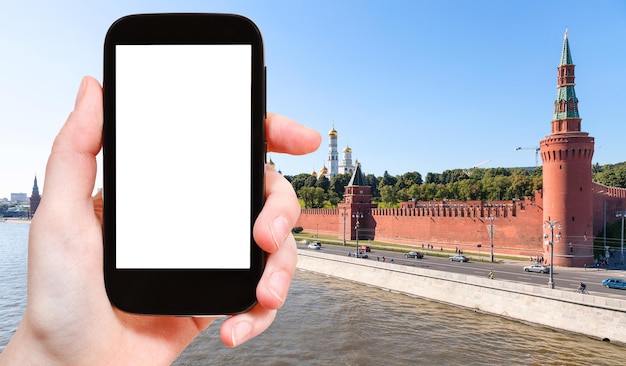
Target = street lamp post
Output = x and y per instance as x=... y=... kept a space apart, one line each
x=606 y=254
x=552 y=225
x=491 y=235
x=357 y=216
x=621 y=214
x=344 y=214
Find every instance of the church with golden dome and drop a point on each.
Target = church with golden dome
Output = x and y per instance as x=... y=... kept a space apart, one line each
x=332 y=166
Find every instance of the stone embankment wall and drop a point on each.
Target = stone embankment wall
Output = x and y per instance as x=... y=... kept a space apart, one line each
x=594 y=316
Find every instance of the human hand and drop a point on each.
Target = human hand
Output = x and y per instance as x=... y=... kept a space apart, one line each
x=68 y=317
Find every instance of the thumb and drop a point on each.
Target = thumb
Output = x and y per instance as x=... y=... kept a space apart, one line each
x=71 y=169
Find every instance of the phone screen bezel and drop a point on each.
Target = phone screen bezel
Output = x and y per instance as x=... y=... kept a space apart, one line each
x=183 y=292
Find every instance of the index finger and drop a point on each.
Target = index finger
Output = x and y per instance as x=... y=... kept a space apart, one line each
x=285 y=135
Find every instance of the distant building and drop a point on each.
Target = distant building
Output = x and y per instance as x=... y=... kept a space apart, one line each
x=19 y=197
x=333 y=154
x=346 y=167
x=35 y=198
x=333 y=157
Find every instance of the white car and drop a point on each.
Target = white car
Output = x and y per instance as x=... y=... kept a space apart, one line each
x=537 y=268
x=315 y=245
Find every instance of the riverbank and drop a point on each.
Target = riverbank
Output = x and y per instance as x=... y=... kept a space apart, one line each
x=594 y=316
x=11 y=220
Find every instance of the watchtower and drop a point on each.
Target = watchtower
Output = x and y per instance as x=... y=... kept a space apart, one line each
x=567 y=177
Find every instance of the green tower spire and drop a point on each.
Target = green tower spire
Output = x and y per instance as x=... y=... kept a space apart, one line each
x=566 y=55
x=566 y=103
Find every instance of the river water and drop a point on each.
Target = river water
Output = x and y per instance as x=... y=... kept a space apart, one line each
x=327 y=321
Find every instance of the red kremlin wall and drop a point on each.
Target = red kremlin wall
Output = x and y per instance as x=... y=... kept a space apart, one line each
x=518 y=224
x=443 y=224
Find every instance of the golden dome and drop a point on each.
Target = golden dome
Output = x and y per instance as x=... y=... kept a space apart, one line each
x=332 y=132
x=347 y=149
x=323 y=171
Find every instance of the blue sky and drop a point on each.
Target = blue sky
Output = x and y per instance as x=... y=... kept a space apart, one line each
x=409 y=85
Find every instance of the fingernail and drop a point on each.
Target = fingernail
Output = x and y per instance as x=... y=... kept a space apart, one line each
x=277 y=285
x=280 y=230
x=241 y=332
x=81 y=90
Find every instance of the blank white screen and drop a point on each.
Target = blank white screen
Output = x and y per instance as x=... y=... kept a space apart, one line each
x=183 y=156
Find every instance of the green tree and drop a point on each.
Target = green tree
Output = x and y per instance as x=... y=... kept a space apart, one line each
x=388 y=196
x=451 y=176
x=312 y=197
x=373 y=182
x=433 y=178
x=612 y=175
x=302 y=180
x=338 y=185
x=388 y=180
x=470 y=190
x=520 y=186
x=402 y=195
x=323 y=183
x=408 y=179
x=442 y=192
x=596 y=168
x=429 y=191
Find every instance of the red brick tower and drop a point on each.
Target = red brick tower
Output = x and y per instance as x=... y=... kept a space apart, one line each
x=357 y=206
x=567 y=180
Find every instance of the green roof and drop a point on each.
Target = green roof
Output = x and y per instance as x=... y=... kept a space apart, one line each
x=566 y=55
x=565 y=94
x=358 y=179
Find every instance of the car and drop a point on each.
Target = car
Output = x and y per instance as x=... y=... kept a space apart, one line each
x=459 y=258
x=614 y=283
x=315 y=245
x=365 y=248
x=360 y=254
x=414 y=255
x=536 y=267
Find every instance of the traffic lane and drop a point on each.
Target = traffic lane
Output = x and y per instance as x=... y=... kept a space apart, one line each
x=563 y=279
x=476 y=268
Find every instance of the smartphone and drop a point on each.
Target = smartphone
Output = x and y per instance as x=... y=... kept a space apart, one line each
x=183 y=163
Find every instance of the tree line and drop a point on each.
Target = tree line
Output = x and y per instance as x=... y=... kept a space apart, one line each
x=457 y=184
